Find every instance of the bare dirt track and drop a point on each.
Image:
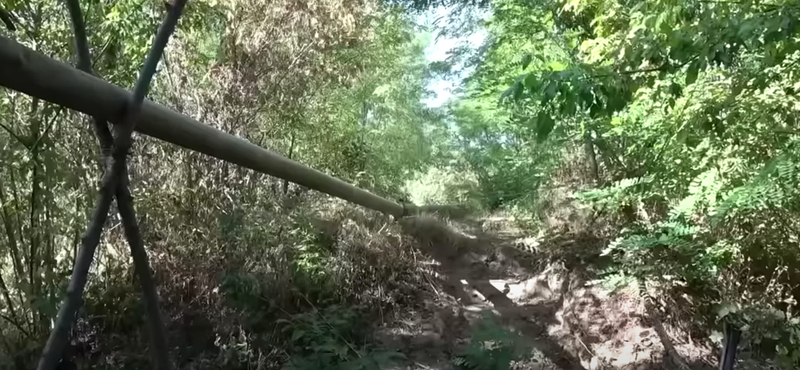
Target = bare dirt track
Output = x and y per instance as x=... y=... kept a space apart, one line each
x=543 y=288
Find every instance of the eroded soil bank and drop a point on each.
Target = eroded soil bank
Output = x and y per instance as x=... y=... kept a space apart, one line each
x=544 y=289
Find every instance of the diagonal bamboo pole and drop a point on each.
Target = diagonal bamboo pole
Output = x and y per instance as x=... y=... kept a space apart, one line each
x=110 y=186
x=124 y=200
x=32 y=73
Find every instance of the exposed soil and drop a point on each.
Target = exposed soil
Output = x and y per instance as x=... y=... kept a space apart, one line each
x=543 y=289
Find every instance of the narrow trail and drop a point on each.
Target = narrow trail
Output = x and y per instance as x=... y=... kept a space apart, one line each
x=570 y=321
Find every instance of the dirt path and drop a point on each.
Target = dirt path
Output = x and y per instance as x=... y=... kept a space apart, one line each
x=570 y=321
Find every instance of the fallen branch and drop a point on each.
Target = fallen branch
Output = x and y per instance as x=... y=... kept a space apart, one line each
x=653 y=317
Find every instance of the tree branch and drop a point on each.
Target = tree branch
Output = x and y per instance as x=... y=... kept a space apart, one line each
x=10 y=305
x=5 y=16
x=770 y=6
x=46 y=131
x=16 y=325
x=646 y=70
x=15 y=136
x=10 y=234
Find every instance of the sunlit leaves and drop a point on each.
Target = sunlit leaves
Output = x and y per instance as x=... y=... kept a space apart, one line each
x=700 y=98
x=622 y=53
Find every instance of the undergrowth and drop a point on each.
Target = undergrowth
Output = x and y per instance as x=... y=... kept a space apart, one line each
x=296 y=290
x=491 y=347
x=730 y=243
x=332 y=338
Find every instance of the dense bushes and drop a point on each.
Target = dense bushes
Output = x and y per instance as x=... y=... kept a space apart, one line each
x=336 y=85
x=670 y=127
x=268 y=300
x=683 y=116
x=440 y=186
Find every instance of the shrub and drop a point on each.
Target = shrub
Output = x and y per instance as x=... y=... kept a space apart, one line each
x=491 y=347
x=440 y=186
x=329 y=339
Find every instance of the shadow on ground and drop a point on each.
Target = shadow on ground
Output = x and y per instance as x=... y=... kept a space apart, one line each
x=551 y=304
x=463 y=264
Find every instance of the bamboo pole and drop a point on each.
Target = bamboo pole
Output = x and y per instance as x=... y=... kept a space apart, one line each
x=35 y=74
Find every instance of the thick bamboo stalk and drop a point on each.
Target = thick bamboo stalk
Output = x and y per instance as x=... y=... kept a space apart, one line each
x=32 y=73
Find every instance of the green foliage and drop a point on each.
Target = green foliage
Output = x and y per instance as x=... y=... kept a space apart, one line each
x=328 y=339
x=676 y=122
x=337 y=85
x=682 y=116
x=623 y=193
x=444 y=186
x=491 y=347
x=375 y=130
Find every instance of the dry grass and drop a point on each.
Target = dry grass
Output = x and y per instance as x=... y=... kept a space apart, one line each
x=222 y=293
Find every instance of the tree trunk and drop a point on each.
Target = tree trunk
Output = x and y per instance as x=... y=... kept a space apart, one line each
x=34 y=217
x=11 y=235
x=8 y=300
x=291 y=152
x=594 y=170
x=24 y=292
